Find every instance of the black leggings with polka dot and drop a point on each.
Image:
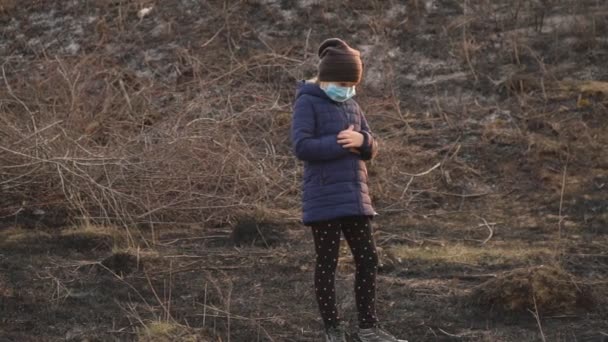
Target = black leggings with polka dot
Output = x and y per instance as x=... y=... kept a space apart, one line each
x=358 y=234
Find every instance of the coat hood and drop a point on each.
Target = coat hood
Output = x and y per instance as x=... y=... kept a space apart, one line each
x=308 y=88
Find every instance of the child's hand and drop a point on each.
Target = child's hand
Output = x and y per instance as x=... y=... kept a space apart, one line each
x=348 y=138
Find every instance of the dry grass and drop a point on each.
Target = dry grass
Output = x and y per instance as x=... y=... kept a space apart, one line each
x=145 y=145
x=115 y=236
x=182 y=119
x=459 y=253
x=117 y=168
x=544 y=289
x=168 y=332
x=80 y=239
x=19 y=236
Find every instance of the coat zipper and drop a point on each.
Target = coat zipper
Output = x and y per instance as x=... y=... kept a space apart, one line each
x=344 y=115
x=355 y=162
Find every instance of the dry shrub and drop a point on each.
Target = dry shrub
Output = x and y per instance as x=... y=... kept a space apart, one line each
x=83 y=240
x=191 y=123
x=111 y=147
x=390 y=173
x=547 y=288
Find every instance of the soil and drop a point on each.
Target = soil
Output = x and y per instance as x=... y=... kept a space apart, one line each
x=506 y=241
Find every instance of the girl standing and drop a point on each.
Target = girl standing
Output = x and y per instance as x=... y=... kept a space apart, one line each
x=332 y=137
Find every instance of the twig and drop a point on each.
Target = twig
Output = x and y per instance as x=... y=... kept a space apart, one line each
x=125 y=94
x=170 y=290
x=160 y=302
x=457 y=195
x=407 y=186
x=421 y=173
x=37 y=132
x=214 y=36
x=466 y=53
x=561 y=203
x=448 y=334
x=170 y=242
x=205 y=305
x=470 y=276
x=228 y=302
x=257 y=227
x=537 y=317
x=412 y=176
x=306 y=43
x=10 y=91
x=490 y=229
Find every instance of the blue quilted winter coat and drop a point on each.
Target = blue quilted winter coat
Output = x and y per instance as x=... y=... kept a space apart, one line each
x=335 y=179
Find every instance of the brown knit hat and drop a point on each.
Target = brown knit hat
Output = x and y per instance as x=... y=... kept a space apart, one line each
x=339 y=62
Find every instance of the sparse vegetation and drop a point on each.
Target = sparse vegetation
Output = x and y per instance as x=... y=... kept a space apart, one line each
x=167 y=332
x=456 y=253
x=542 y=288
x=148 y=191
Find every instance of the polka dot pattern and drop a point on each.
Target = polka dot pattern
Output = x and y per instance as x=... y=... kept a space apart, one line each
x=358 y=233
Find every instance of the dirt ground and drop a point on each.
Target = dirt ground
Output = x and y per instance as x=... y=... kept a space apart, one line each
x=505 y=240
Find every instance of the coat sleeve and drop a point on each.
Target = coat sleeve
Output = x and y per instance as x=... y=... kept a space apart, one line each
x=306 y=146
x=369 y=149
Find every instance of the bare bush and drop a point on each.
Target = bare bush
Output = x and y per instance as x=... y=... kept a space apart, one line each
x=81 y=135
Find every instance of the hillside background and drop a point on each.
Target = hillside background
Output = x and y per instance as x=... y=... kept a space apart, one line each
x=148 y=191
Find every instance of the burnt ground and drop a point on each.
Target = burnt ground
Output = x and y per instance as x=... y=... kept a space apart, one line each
x=505 y=241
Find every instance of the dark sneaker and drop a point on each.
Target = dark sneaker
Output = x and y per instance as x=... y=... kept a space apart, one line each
x=335 y=334
x=376 y=335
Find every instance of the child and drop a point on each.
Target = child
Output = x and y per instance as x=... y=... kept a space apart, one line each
x=330 y=134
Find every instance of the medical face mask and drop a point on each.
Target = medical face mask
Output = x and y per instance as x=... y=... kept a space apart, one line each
x=338 y=93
